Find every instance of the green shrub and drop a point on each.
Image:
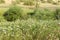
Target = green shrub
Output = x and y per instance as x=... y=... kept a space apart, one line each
x=44 y=14
x=13 y=13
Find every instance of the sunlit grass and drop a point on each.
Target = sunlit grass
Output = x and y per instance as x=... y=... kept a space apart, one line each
x=30 y=30
x=2 y=10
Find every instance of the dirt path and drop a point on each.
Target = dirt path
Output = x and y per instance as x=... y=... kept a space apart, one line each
x=42 y=5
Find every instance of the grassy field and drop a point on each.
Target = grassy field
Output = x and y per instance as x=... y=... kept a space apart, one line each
x=30 y=29
x=35 y=20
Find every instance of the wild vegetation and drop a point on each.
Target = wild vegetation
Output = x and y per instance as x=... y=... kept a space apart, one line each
x=18 y=23
x=30 y=30
x=29 y=24
x=16 y=12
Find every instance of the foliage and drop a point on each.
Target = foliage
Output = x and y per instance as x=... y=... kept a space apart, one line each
x=43 y=14
x=13 y=13
x=38 y=13
x=30 y=30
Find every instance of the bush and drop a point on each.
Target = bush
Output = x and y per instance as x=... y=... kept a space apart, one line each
x=44 y=14
x=13 y=13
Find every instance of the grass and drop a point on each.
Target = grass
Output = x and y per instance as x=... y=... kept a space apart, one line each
x=24 y=13
x=30 y=30
x=2 y=10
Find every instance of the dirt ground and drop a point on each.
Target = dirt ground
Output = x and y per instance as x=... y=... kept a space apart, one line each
x=43 y=5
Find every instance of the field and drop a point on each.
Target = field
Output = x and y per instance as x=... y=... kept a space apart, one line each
x=30 y=29
x=30 y=21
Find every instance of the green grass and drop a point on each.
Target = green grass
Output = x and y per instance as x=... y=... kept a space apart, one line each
x=24 y=13
x=2 y=10
x=30 y=30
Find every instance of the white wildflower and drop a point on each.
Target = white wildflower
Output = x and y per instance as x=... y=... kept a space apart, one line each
x=4 y=31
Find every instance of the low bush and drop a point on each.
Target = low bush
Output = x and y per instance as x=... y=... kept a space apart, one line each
x=13 y=13
x=43 y=14
x=16 y=12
